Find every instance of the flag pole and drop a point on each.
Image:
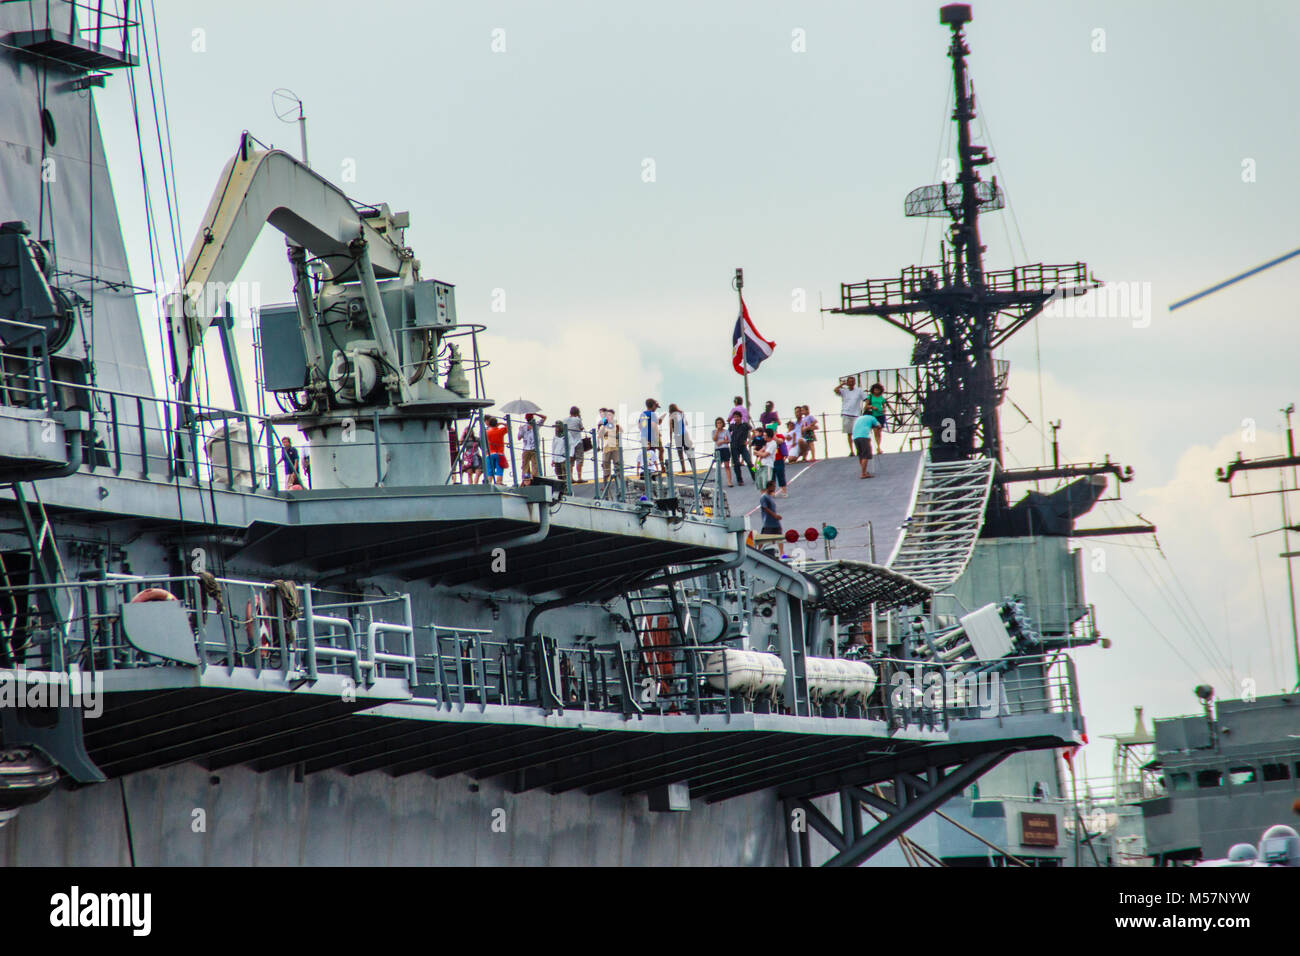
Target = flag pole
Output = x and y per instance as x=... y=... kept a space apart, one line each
x=739 y=283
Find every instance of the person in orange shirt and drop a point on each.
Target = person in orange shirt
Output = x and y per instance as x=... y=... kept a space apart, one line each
x=496 y=442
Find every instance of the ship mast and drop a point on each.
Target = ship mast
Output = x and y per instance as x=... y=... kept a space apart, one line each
x=959 y=313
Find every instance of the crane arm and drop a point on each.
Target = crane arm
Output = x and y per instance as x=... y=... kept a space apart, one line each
x=270 y=186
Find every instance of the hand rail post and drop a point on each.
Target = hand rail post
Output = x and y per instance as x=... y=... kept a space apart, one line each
x=379 y=466
x=309 y=625
x=252 y=448
x=409 y=642
x=510 y=437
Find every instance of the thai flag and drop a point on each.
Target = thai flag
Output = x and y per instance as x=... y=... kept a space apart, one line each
x=747 y=346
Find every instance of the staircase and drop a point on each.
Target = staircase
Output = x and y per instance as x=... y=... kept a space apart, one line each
x=940 y=533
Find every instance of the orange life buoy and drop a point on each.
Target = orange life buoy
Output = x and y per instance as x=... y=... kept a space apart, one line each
x=153 y=594
x=256 y=626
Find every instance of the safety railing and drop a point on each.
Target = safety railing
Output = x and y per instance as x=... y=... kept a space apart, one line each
x=906 y=389
x=463 y=668
x=106 y=28
x=632 y=472
x=295 y=629
x=917 y=281
x=159 y=439
x=25 y=378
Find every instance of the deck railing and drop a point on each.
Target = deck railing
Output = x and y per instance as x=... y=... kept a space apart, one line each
x=303 y=633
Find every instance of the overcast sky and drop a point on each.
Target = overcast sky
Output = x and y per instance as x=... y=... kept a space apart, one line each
x=1155 y=141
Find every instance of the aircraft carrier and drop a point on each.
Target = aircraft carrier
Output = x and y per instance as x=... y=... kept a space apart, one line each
x=211 y=660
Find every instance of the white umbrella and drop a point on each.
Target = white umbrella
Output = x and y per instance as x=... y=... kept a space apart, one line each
x=520 y=406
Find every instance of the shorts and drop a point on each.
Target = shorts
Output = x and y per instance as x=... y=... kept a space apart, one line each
x=722 y=453
x=808 y=434
x=863 y=446
x=880 y=422
x=847 y=422
x=496 y=466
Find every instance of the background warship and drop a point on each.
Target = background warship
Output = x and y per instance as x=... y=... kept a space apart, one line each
x=389 y=667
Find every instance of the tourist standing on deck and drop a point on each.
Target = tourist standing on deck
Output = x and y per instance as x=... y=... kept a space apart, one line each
x=560 y=450
x=779 y=454
x=648 y=426
x=722 y=448
x=738 y=405
x=577 y=443
x=764 y=454
x=767 y=507
x=740 y=446
x=679 y=437
x=876 y=406
x=861 y=432
x=851 y=398
x=608 y=432
x=528 y=442
x=289 y=456
x=471 y=458
x=496 y=442
x=805 y=435
x=769 y=416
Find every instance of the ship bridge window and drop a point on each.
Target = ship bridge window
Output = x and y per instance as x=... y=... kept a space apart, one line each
x=1240 y=775
x=1209 y=778
x=1275 y=771
x=1180 y=781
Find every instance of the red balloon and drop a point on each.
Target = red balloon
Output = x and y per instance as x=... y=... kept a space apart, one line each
x=792 y=536
x=811 y=534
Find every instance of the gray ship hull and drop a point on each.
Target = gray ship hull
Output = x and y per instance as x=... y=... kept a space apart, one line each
x=186 y=816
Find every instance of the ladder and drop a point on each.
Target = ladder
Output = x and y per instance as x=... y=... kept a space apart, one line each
x=47 y=570
x=660 y=619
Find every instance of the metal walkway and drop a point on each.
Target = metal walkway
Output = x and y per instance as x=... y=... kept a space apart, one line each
x=947 y=514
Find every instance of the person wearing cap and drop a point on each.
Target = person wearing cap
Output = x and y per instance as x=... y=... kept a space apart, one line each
x=851 y=398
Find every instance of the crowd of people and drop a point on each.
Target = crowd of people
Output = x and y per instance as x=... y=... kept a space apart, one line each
x=742 y=446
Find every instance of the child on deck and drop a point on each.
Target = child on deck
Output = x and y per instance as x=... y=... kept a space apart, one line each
x=780 y=453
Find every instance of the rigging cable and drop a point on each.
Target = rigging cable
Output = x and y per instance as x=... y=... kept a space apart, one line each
x=1186 y=597
x=155 y=254
x=1160 y=633
x=1210 y=652
x=1205 y=643
x=166 y=159
x=945 y=131
x=1273 y=656
x=1000 y=172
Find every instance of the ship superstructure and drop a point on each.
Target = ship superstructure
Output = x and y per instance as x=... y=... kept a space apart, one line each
x=379 y=665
